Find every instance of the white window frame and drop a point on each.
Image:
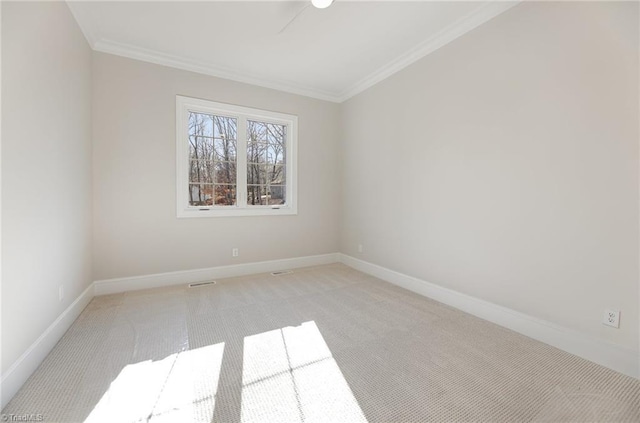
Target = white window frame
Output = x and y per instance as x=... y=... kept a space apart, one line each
x=184 y=105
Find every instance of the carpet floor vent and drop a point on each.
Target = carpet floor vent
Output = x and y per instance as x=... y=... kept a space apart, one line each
x=199 y=284
x=281 y=272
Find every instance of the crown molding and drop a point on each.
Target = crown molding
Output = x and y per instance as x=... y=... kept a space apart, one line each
x=88 y=35
x=152 y=56
x=460 y=27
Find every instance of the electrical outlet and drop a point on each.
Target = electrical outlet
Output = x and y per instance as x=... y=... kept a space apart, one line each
x=234 y=252
x=611 y=318
x=359 y=248
x=60 y=292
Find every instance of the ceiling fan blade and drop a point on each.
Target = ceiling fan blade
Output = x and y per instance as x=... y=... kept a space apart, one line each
x=293 y=19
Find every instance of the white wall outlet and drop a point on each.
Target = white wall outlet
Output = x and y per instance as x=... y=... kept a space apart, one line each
x=611 y=318
x=234 y=252
x=359 y=248
x=60 y=292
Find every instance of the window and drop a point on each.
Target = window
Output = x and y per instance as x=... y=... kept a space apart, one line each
x=234 y=161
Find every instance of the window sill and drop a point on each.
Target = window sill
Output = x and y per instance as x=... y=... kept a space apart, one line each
x=236 y=212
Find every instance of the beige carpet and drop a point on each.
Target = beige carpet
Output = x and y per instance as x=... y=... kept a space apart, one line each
x=321 y=344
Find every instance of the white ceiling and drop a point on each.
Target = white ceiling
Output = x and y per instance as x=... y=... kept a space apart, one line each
x=331 y=54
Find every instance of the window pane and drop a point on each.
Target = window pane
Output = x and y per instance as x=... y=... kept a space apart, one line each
x=275 y=154
x=276 y=175
x=200 y=194
x=226 y=131
x=266 y=170
x=201 y=171
x=225 y=128
x=275 y=133
x=225 y=195
x=225 y=173
x=256 y=152
x=256 y=131
x=200 y=124
x=200 y=147
x=225 y=150
x=212 y=159
x=193 y=147
x=262 y=195
x=277 y=194
x=256 y=195
x=256 y=174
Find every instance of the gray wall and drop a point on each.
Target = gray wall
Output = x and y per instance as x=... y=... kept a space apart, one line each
x=505 y=166
x=46 y=169
x=136 y=231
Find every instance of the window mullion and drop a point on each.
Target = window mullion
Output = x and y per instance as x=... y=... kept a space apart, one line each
x=241 y=166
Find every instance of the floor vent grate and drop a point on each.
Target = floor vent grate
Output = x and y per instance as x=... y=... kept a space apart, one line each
x=281 y=272
x=199 y=284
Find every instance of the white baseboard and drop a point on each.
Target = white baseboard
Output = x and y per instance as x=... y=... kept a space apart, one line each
x=616 y=357
x=113 y=286
x=29 y=361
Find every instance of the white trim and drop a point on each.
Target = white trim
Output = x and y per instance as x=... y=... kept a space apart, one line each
x=172 y=61
x=88 y=35
x=242 y=115
x=112 y=286
x=616 y=357
x=460 y=27
x=29 y=361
